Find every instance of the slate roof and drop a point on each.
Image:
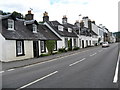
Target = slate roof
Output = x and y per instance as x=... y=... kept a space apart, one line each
x=22 y=32
x=64 y=33
x=47 y=32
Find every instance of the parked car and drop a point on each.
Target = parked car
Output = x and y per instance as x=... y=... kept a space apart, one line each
x=105 y=44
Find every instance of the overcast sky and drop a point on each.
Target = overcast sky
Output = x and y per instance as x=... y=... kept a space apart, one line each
x=102 y=11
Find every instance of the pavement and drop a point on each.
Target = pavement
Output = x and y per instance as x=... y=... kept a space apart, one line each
x=27 y=62
x=90 y=68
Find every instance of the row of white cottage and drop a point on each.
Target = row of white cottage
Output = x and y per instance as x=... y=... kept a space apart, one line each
x=23 y=39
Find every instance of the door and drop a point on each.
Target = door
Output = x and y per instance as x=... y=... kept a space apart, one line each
x=82 y=43
x=86 y=43
x=71 y=44
x=36 y=48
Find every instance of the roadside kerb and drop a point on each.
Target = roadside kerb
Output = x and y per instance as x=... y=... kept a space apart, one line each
x=43 y=59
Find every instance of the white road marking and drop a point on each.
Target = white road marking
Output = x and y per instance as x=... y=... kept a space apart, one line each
x=2 y=71
x=53 y=59
x=77 y=62
x=10 y=69
x=37 y=80
x=93 y=54
x=116 y=71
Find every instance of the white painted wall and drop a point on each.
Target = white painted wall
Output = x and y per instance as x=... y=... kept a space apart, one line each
x=1 y=46
x=95 y=28
x=85 y=22
x=82 y=37
x=61 y=44
x=39 y=48
x=94 y=40
x=9 y=53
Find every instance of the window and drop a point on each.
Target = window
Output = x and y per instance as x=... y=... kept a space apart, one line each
x=10 y=24
x=69 y=30
x=20 y=47
x=75 y=43
x=60 y=28
x=34 y=28
x=80 y=42
x=42 y=43
x=66 y=42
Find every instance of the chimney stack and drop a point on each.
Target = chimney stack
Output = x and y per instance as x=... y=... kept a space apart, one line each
x=64 y=20
x=29 y=16
x=45 y=17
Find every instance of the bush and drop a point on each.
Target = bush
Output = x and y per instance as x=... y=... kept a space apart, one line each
x=69 y=49
x=42 y=55
x=76 y=48
x=50 y=44
x=62 y=50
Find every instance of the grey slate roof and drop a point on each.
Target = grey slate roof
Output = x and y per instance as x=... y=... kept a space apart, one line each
x=22 y=31
x=64 y=33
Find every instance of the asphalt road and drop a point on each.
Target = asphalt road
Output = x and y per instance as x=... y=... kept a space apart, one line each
x=93 y=68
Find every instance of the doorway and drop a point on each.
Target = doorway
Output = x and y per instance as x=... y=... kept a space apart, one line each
x=36 y=48
x=82 y=43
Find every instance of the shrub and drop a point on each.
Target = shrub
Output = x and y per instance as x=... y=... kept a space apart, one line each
x=42 y=55
x=50 y=44
x=62 y=50
x=76 y=48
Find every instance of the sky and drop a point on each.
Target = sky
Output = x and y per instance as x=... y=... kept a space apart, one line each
x=103 y=12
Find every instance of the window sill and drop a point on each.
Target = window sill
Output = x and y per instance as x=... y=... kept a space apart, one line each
x=20 y=55
x=11 y=29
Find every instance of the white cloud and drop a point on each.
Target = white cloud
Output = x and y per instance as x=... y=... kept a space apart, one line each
x=102 y=11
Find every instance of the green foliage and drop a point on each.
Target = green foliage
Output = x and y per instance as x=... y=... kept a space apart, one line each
x=76 y=48
x=4 y=13
x=42 y=55
x=50 y=44
x=62 y=50
x=17 y=15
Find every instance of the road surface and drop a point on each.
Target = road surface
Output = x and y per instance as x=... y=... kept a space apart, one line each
x=93 y=68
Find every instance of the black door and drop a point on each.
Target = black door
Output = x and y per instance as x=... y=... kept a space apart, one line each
x=70 y=44
x=82 y=43
x=36 y=48
x=86 y=43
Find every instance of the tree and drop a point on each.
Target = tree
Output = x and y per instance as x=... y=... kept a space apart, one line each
x=50 y=44
x=4 y=13
x=17 y=15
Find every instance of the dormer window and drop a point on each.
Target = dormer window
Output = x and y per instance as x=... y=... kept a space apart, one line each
x=34 y=28
x=69 y=30
x=10 y=24
x=60 y=28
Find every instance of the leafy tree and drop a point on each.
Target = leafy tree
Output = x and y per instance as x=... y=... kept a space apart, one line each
x=50 y=44
x=17 y=15
x=4 y=13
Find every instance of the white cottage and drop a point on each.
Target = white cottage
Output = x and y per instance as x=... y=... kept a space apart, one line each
x=22 y=39
x=63 y=31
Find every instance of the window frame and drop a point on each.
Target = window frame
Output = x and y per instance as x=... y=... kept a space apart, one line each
x=34 y=28
x=43 y=50
x=70 y=30
x=66 y=42
x=21 y=48
x=60 y=27
x=11 y=24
